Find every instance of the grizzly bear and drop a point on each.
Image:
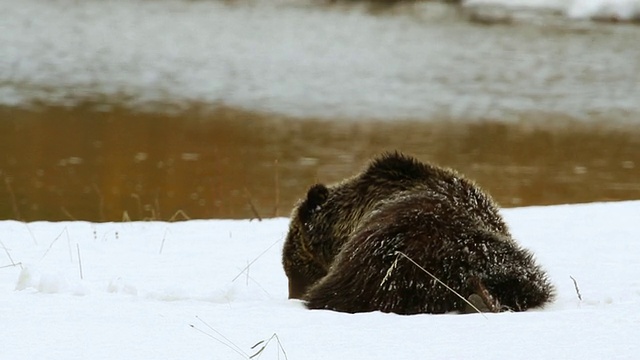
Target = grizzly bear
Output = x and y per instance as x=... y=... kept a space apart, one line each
x=407 y=237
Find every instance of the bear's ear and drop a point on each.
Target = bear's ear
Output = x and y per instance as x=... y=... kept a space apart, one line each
x=316 y=196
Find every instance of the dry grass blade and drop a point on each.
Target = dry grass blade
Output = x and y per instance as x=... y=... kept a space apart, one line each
x=254 y=260
x=7 y=252
x=220 y=341
x=67 y=213
x=441 y=283
x=277 y=189
x=79 y=261
x=390 y=271
x=228 y=343
x=164 y=237
x=575 y=284
x=266 y=343
x=100 y=201
x=139 y=202
x=54 y=241
x=251 y=205
x=231 y=345
x=14 y=202
x=33 y=237
x=179 y=213
x=13 y=263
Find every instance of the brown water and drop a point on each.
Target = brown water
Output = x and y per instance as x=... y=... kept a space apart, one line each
x=60 y=164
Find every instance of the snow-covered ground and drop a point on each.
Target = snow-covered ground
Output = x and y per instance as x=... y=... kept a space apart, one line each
x=153 y=290
x=618 y=10
x=421 y=60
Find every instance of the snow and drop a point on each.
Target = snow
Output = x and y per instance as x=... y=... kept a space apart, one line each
x=621 y=10
x=308 y=59
x=154 y=290
x=605 y=9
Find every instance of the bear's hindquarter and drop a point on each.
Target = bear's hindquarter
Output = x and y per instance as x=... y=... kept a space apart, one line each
x=370 y=272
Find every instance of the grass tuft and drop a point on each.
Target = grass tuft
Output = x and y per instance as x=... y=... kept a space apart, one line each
x=265 y=343
x=222 y=339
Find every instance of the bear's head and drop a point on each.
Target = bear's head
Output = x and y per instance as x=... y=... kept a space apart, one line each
x=301 y=258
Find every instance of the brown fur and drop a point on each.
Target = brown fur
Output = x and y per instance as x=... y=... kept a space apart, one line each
x=342 y=249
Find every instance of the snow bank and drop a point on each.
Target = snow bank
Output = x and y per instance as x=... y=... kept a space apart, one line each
x=618 y=10
x=613 y=10
x=146 y=290
x=422 y=61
